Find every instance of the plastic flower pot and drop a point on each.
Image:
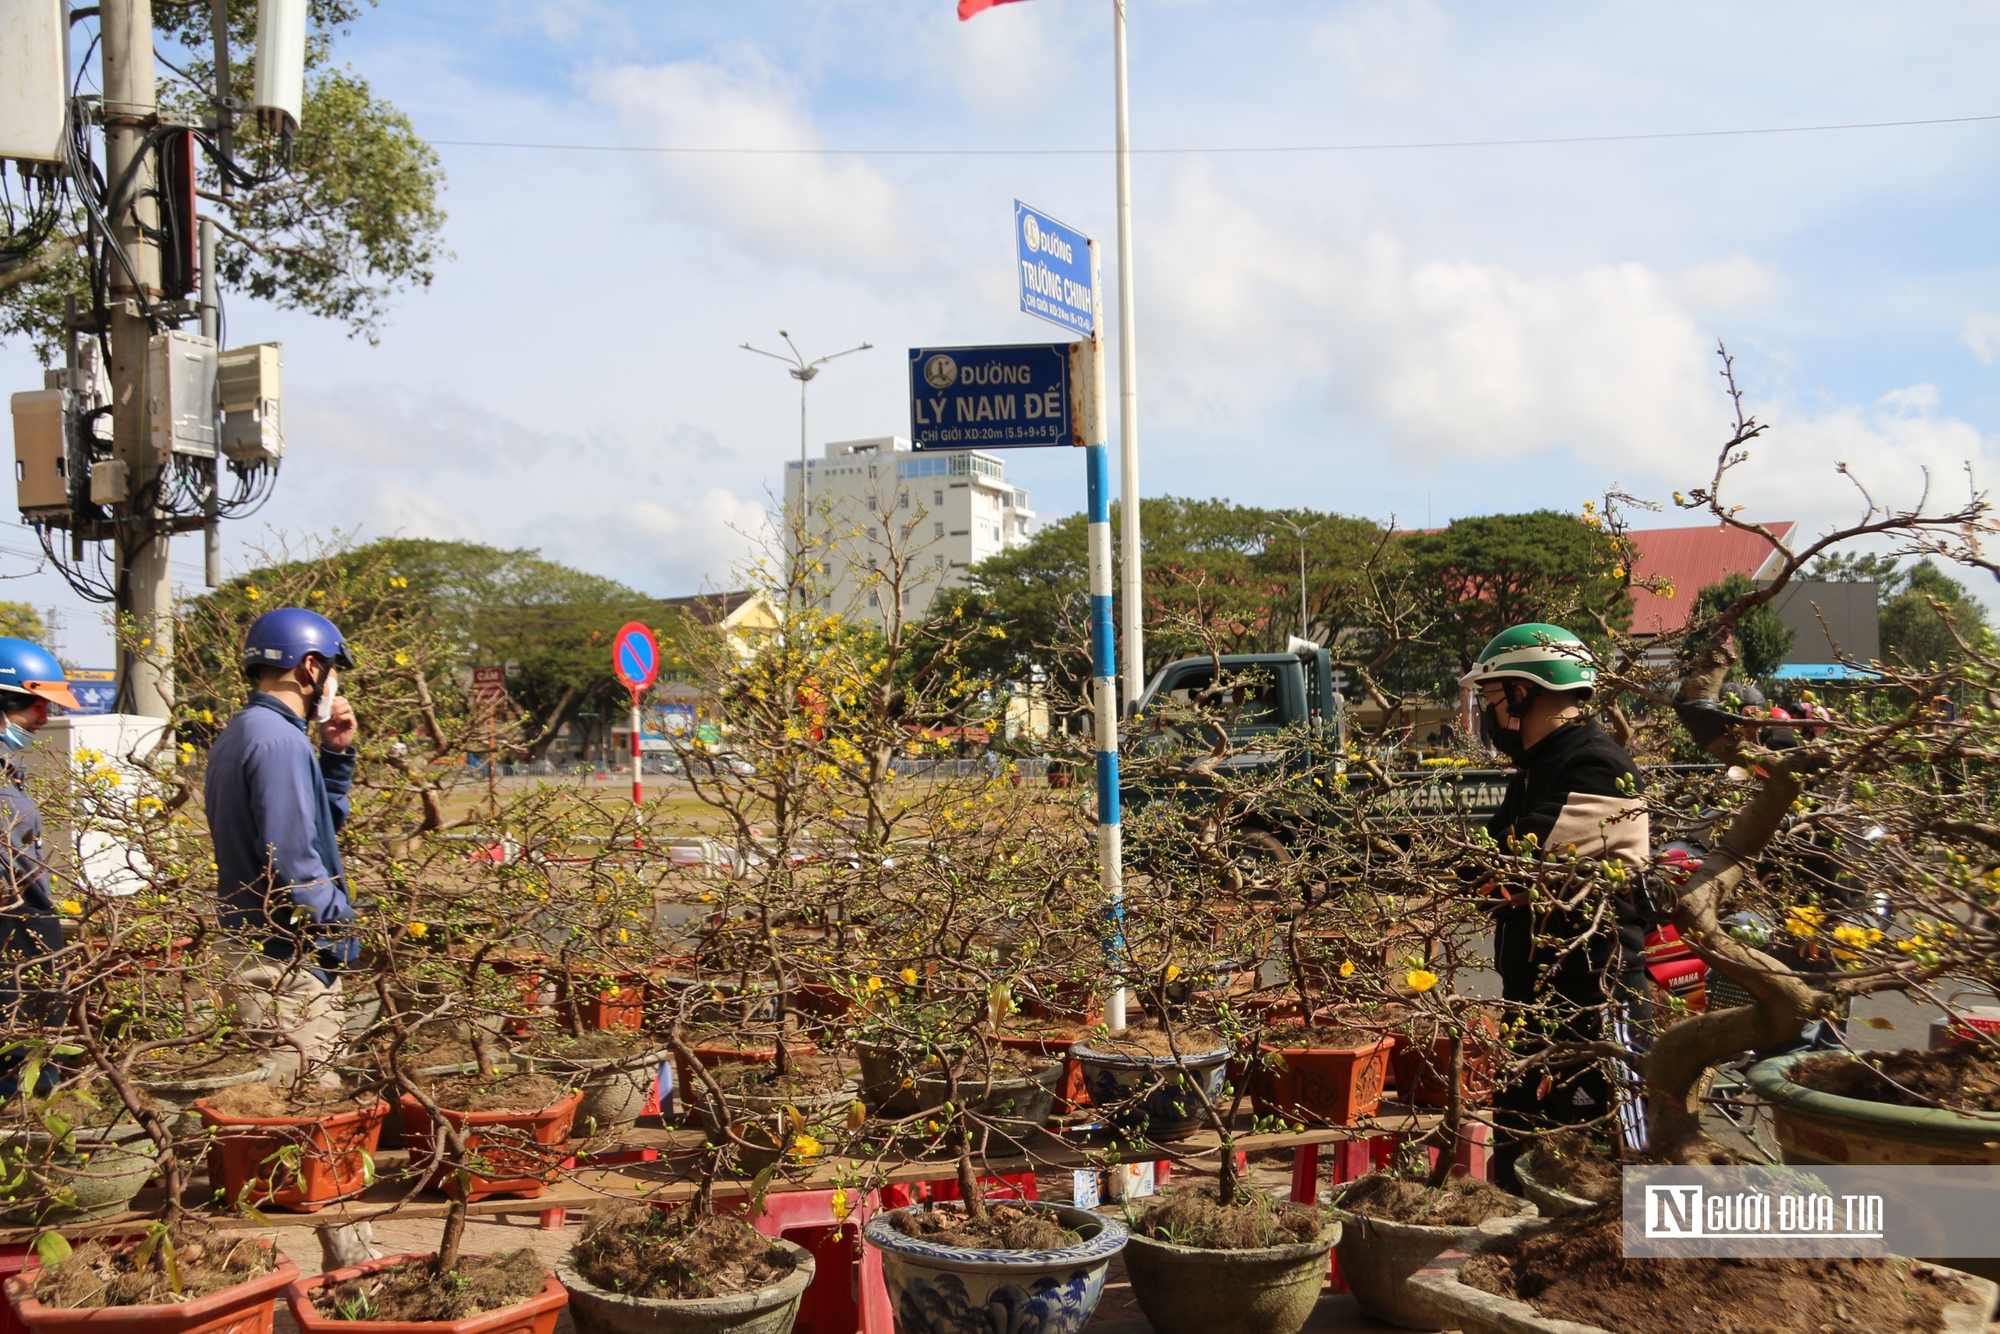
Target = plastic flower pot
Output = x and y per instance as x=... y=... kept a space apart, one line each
x=768 y=1310
x=615 y=1089
x=301 y=1164
x=948 y=1289
x=1153 y=1096
x=511 y=1153
x=1188 y=1290
x=1322 y=1086
x=246 y=1308
x=537 y=1315
x=1070 y=1091
x=1378 y=1258
x=1815 y=1127
x=100 y=1169
x=1422 y=1072
x=1475 y=1311
x=605 y=1000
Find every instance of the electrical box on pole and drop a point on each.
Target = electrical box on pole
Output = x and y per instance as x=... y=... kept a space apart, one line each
x=279 y=90
x=34 y=79
x=250 y=393
x=180 y=395
x=41 y=468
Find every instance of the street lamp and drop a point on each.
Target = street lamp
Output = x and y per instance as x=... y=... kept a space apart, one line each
x=1299 y=531
x=803 y=371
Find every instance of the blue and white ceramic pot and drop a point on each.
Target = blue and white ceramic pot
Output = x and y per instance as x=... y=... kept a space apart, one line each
x=1153 y=1096
x=952 y=1290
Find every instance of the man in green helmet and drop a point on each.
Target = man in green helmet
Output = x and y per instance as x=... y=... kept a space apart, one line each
x=1574 y=792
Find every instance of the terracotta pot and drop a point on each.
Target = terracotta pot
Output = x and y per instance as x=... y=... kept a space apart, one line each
x=521 y=1151
x=537 y=1315
x=1321 y=1086
x=246 y=1308
x=607 y=1000
x=710 y=1057
x=332 y=1156
x=1423 y=1074
x=1071 y=1092
x=821 y=1001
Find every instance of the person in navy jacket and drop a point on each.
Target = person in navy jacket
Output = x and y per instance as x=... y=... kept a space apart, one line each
x=30 y=681
x=275 y=807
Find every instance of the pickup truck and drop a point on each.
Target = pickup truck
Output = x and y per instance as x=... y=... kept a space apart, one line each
x=1283 y=709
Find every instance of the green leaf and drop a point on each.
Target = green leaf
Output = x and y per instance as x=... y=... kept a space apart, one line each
x=52 y=1248
x=256 y=1215
x=367 y=1169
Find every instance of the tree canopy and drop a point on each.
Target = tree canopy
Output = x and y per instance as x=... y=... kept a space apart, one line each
x=1762 y=640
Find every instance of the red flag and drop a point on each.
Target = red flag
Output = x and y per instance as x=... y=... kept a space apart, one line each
x=967 y=8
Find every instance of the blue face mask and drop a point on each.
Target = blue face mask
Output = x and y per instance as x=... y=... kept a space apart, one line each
x=17 y=737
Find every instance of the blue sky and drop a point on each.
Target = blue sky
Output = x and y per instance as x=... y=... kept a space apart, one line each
x=1423 y=333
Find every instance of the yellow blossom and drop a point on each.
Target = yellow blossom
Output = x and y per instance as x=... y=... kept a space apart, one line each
x=909 y=976
x=1420 y=979
x=1173 y=971
x=805 y=1146
x=417 y=930
x=250 y=591
x=71 y=906
x=402 y=659
x=874 y=984
x=839 y=1203
x=1347 y=968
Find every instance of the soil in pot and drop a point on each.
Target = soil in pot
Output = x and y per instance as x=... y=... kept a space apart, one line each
x=1460 y=1202
x=1007 y=1227
x=1148 y=1038
x=173 y=1065
x=647 y=1253
x=271 y=1101
x=1575 y=1164
x=1194 y=1217
x=607 y=1044
x=806 y=1078
x=414 y=1291
x=97 y=1274
x=496 y=1093
x=1958 y=1078
x=1575 y=1269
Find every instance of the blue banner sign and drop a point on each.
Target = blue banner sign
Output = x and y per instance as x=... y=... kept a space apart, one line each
x=1057 y=278
x=1009 y=397
x=95 y=688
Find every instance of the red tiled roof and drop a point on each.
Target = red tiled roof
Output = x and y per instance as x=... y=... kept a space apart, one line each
x=1690 y=559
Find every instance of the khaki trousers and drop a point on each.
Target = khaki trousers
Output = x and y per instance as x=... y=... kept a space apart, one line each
x=284 y=994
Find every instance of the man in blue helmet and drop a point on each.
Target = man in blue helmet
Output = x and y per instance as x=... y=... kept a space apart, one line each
x=275 y=808
x=30 y=681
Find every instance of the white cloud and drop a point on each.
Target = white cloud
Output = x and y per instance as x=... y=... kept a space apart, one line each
x=793 y=206
x=1442 y=359
x=1982 y=335
x=1383 y=48
x=1728 y=284
x=685 y=544
x=1011 y=58
x=414 y=426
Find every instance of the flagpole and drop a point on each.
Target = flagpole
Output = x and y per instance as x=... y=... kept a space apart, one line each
x=1128 y=394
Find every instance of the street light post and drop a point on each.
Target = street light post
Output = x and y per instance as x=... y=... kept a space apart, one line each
x=803 y=371
x=1299 y=531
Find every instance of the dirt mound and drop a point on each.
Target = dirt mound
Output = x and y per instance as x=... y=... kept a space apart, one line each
x=760 y=1079
x=605 y=1044
x=206 y=1260
x=1194 y=1217
x=1147 y=1038
x=1008 y=1227
x=1575 y=1269
x=1460 y=1202
x=168 y=1064
x=257 y=1100
x=417 y=1292
x=646 y=1253
x=1574 y=1164
x=1960 y=1078
x=497 y=1093
x=1285 y=1037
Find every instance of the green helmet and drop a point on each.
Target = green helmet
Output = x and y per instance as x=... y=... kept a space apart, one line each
x=1547 y=655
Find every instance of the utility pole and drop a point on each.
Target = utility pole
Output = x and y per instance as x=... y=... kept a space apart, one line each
x=1299 y=531
x=803 y=371
x=144 y=573
x=1131 y=574
x=211 y=305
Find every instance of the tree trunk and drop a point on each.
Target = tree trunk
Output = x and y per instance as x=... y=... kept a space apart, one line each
x=1454 y=1113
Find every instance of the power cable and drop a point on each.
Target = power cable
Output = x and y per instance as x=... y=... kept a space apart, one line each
x=1225 y=149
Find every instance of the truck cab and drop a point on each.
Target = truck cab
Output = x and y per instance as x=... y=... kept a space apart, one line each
x=1265 y=693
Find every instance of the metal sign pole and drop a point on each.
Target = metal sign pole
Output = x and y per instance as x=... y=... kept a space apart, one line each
x=638 y=787
x=1128 y=391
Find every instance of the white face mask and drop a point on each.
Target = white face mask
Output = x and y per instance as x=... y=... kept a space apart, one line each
x=324 y=711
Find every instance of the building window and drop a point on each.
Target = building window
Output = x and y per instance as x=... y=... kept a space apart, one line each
x=937 y=497
x=937 y=529
x=903 y=501
x=874 y=599
x=906 y=597
x=871 y=502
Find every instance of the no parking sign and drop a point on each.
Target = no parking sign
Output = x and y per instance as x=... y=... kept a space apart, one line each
x=635 y=656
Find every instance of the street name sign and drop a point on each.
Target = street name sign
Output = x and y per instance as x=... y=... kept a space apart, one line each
x=1014 y=396
x=1058 y=281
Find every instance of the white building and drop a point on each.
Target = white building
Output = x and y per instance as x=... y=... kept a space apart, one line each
x=945 y=509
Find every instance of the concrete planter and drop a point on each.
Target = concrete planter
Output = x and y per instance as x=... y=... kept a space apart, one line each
x=1378 y=1259
x=1030 y=1099
x=1186 y=1290
x=615 y=1089
x=952 y=1290
x=1474 y=1311
x=1815 y=1127
x=103 y=1171
x=182 y=1094
x=769 y=1310
x=1552 y=1202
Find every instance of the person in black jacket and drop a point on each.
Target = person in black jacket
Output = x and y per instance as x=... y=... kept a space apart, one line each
x=1574 y=789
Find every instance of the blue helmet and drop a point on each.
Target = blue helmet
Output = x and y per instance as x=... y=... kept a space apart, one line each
x=29 y=669
x=282 y=639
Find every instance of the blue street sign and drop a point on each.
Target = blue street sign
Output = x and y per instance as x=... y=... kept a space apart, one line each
x=1056 y=278
x=1009 y=397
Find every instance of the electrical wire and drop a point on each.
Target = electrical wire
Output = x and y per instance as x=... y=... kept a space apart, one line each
x=1229 y=150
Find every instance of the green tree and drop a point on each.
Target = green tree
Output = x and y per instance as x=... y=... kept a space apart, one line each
x=18 y=620
x=1762 y=640
x=338 y=229
x=1913 y=632
x=1485 y=574
x=1856 y=568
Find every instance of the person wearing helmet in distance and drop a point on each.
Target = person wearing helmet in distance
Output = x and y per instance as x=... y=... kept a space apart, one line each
x=30 y=681
x=275 y=808
x=1572 y=787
